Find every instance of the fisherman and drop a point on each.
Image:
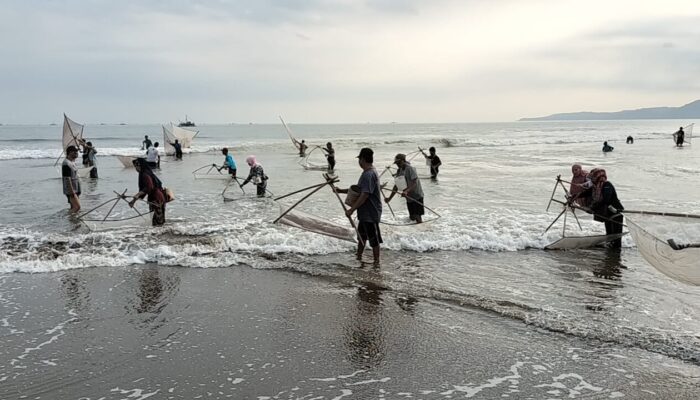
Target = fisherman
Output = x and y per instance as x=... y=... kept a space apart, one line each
x=229 y=163
x=178 y=149
x=605 y=205
x=579 y=184
x=152 y=156
x=413 y=191
x=330 y=156
x=83 y=144
x=92 y=159
x=630 y=139
x=680 y=137
x=151 y=186
x=302 y=148
x=71 y=183
x=146 y=143
x=368 y=206
x=257 y=175
x=435 y=162
x=607 y=148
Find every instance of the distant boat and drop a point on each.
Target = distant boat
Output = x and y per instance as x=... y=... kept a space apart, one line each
x=122 y=123
x=186 y=122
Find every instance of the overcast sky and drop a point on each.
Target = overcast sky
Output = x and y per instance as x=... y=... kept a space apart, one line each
x=341 y=60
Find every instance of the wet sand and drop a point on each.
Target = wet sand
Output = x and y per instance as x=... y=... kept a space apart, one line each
x=185 y=333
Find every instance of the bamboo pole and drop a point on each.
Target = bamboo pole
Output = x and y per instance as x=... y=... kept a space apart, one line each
x=302 y=190
x=345 y=210
x=120 y=196
x=411 y=198
x=663 y=214
x=299 y=202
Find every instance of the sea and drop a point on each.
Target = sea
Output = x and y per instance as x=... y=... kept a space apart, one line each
x=221 y=302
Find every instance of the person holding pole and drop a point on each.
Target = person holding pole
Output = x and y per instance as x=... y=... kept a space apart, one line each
x=71 y=183
x=604 y=204
x=413 y=192
x=368 y=205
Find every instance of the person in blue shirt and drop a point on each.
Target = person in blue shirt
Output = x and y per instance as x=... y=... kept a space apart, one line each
x=229 y=163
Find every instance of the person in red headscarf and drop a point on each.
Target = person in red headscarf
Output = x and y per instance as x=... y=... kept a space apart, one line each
x=604 y=204
x=578 y=184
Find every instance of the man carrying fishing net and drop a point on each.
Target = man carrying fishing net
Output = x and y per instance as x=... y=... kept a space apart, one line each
x=368 y=205
x=408 y=184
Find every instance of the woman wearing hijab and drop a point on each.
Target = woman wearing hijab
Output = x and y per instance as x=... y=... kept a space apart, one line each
x=605 y=205
x=150 y=185
x=578 y=181
x=257 y=175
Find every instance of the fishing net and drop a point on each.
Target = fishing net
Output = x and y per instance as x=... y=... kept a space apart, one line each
x=171 y=133
x=687 y=138
x=311 y=223
x=651 y=235
x=72 y=132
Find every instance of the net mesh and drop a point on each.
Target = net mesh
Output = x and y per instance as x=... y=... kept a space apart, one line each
x=171 y=133
x=311 y=223
x=687 y=138
x=648 y=234
x=72 y=132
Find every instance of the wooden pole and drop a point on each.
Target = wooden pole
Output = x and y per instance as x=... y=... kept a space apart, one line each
x=352 y=222
x=551 y=198
x=119 y=197
x=303 y=190
x=299 y=202
x=663 y=214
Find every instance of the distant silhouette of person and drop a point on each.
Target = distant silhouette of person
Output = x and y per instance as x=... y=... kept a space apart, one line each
x=607 y=148
x=630 y=139
x=146 y=143
x=302 y=148
x=680 y=137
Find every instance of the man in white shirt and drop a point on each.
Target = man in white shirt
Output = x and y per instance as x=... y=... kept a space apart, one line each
x=152 y=156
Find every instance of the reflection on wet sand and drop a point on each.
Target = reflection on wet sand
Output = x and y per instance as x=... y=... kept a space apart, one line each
x=75 y=292
x=364 y=332
x=156 y=288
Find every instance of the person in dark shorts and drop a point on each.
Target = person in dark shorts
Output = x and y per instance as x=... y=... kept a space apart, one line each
x=411 y=190
x=435 y=162
x=71 y=183
x=229 y=163
x=368 y=206
x=146 y=143
x=330 y=156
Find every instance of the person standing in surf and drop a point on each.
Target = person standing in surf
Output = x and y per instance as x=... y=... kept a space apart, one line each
x=178 y=149
x=435 y=162
x=151 y=186
x=605 y=205
x=578 y=179
x=302 y=148
x=413 y=192
x=607 y=148
x=146 y=143
x=229 y=163
x=257 y=175
x=152 y=156
x=680 y=137
x=330 y=156
x=71 y=183
x=368 y=205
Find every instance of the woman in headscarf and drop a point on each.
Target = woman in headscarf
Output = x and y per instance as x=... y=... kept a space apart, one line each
x=577 y=184
x=257 y=175
x=150 y=185
x=605 y=205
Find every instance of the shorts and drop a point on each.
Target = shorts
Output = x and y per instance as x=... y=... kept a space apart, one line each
x=232 y=171
x=152 y=164
x=369 y=232
x=415 y=207
x=69 y=196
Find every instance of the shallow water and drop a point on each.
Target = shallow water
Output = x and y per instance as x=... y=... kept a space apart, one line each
x=484 y=254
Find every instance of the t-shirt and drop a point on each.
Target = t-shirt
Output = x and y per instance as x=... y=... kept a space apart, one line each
x=230 y=162
x=152 y=154
x=69 y=174
x=410 y=174
x=371 y=209
x=434 y=161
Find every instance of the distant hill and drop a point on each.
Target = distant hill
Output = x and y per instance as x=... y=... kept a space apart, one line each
x=688 y=111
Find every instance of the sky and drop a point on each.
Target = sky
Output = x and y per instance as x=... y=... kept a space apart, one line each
x=342 y=61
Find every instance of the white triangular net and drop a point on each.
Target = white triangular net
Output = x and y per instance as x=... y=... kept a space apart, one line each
x=651 y=236
x=72 y=132
x=311 y=223
x=172 y=132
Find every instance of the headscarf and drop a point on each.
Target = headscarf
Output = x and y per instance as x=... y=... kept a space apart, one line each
x=598 y=178
x=145 y=170
x=577 y=180
x=252 y=162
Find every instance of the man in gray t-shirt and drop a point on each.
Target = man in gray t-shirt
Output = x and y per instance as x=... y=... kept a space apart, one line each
x=368 y=205
x=413 y=191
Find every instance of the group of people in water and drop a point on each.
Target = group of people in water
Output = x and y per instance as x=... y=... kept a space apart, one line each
x=593 y=193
